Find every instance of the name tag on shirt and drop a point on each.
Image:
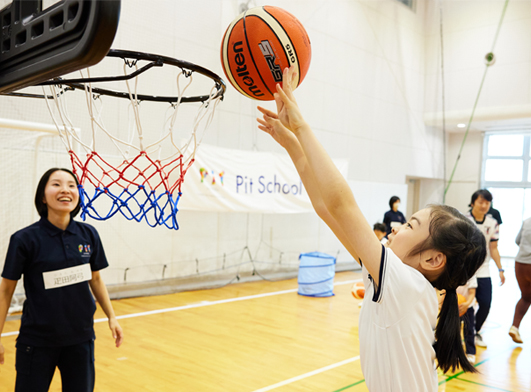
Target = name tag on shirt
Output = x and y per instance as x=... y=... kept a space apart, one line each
x=67 y=276
x=396 y=224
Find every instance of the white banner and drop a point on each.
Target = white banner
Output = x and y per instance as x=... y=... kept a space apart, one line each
x=223 y=179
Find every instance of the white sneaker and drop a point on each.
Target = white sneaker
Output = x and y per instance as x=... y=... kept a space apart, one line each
x=515 y=335
x=480 y=342
x=471 y=358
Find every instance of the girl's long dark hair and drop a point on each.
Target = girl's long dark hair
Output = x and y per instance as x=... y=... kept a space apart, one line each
x=464 y=246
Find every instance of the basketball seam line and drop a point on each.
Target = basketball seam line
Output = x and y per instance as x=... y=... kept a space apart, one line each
x=250 y=52
x=292 y=45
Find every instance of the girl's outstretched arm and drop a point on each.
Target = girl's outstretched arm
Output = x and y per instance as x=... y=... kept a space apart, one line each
x=336 y=194
x=272 y=125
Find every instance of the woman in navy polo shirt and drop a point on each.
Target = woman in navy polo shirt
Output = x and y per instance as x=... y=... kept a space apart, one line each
x=60 y=260
x=393 y=217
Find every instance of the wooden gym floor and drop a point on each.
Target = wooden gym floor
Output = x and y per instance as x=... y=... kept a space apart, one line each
x=262 y=336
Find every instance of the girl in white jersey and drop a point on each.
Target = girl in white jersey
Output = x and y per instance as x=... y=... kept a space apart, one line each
x=400 y=338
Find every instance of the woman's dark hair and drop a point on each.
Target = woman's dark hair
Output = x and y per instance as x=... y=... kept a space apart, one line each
x=483 y=193
x=41 y=206
x=380 y=227
x=393 y=200
x=464 y=246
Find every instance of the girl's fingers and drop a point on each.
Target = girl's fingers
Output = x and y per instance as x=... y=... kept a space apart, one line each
x=289 y=74
x=278 y=102
x=267 y=112
x=282 y=95
x=262 y=122
x=267 y=130
x=294 y=73
x=266 y=121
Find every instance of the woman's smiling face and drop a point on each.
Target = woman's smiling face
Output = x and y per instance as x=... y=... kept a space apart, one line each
x=61 y=194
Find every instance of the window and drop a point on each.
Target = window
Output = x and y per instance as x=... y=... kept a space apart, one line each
x=506 y=173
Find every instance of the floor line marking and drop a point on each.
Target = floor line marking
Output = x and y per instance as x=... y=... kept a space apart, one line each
x=350 y=386
x=309 y=374
x=450 y=378
x=483 y=385
x=200 y=305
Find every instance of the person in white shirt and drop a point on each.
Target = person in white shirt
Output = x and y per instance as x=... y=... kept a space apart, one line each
x=480 y=202
x=400 y=337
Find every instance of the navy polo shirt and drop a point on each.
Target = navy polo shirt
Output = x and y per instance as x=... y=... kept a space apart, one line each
x=393 y=216
x=60 y=316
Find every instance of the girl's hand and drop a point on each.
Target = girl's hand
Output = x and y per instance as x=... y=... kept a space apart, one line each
x=116 y=331
x=272 y=125
x=287 y=108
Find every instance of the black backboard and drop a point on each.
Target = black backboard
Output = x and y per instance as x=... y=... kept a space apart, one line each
x=37 y=45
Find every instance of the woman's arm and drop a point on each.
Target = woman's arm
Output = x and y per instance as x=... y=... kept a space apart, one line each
x=7 y=288
x=336 y=194
x=495 y=254
x=102 y=296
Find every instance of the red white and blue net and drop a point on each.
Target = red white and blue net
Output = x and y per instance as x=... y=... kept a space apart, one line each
x=134 y=171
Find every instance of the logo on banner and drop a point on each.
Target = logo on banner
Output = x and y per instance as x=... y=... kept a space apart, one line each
x=265 y=184
x=213 y=175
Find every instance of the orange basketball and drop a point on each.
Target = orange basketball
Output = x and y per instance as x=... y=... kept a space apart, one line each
x=358 y=290
x=257 y=47
x=460 y=300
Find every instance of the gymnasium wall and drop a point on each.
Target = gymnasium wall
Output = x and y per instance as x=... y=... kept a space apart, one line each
x=365 y=96
x=469 y=29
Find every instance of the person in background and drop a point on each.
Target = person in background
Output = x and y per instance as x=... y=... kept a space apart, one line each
x=61 y=260
x=495 y=214
x=469 y=292
x=522 y=270
x=380 y=231
x=393 y=217
x=480 y=204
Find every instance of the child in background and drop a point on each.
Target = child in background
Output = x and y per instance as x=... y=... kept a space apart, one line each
x=380 y=231
x=469 y=292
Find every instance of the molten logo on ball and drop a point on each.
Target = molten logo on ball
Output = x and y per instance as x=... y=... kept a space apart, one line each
x=242 y=71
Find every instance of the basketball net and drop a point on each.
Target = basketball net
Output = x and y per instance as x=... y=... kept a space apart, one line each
x=142 y=180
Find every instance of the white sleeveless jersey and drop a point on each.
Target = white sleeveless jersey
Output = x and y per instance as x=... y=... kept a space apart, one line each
x=397 y=329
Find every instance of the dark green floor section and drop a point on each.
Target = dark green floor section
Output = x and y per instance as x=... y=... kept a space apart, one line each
x=449 y=378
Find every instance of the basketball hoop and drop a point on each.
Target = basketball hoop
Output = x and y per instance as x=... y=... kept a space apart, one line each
x=136 y=172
